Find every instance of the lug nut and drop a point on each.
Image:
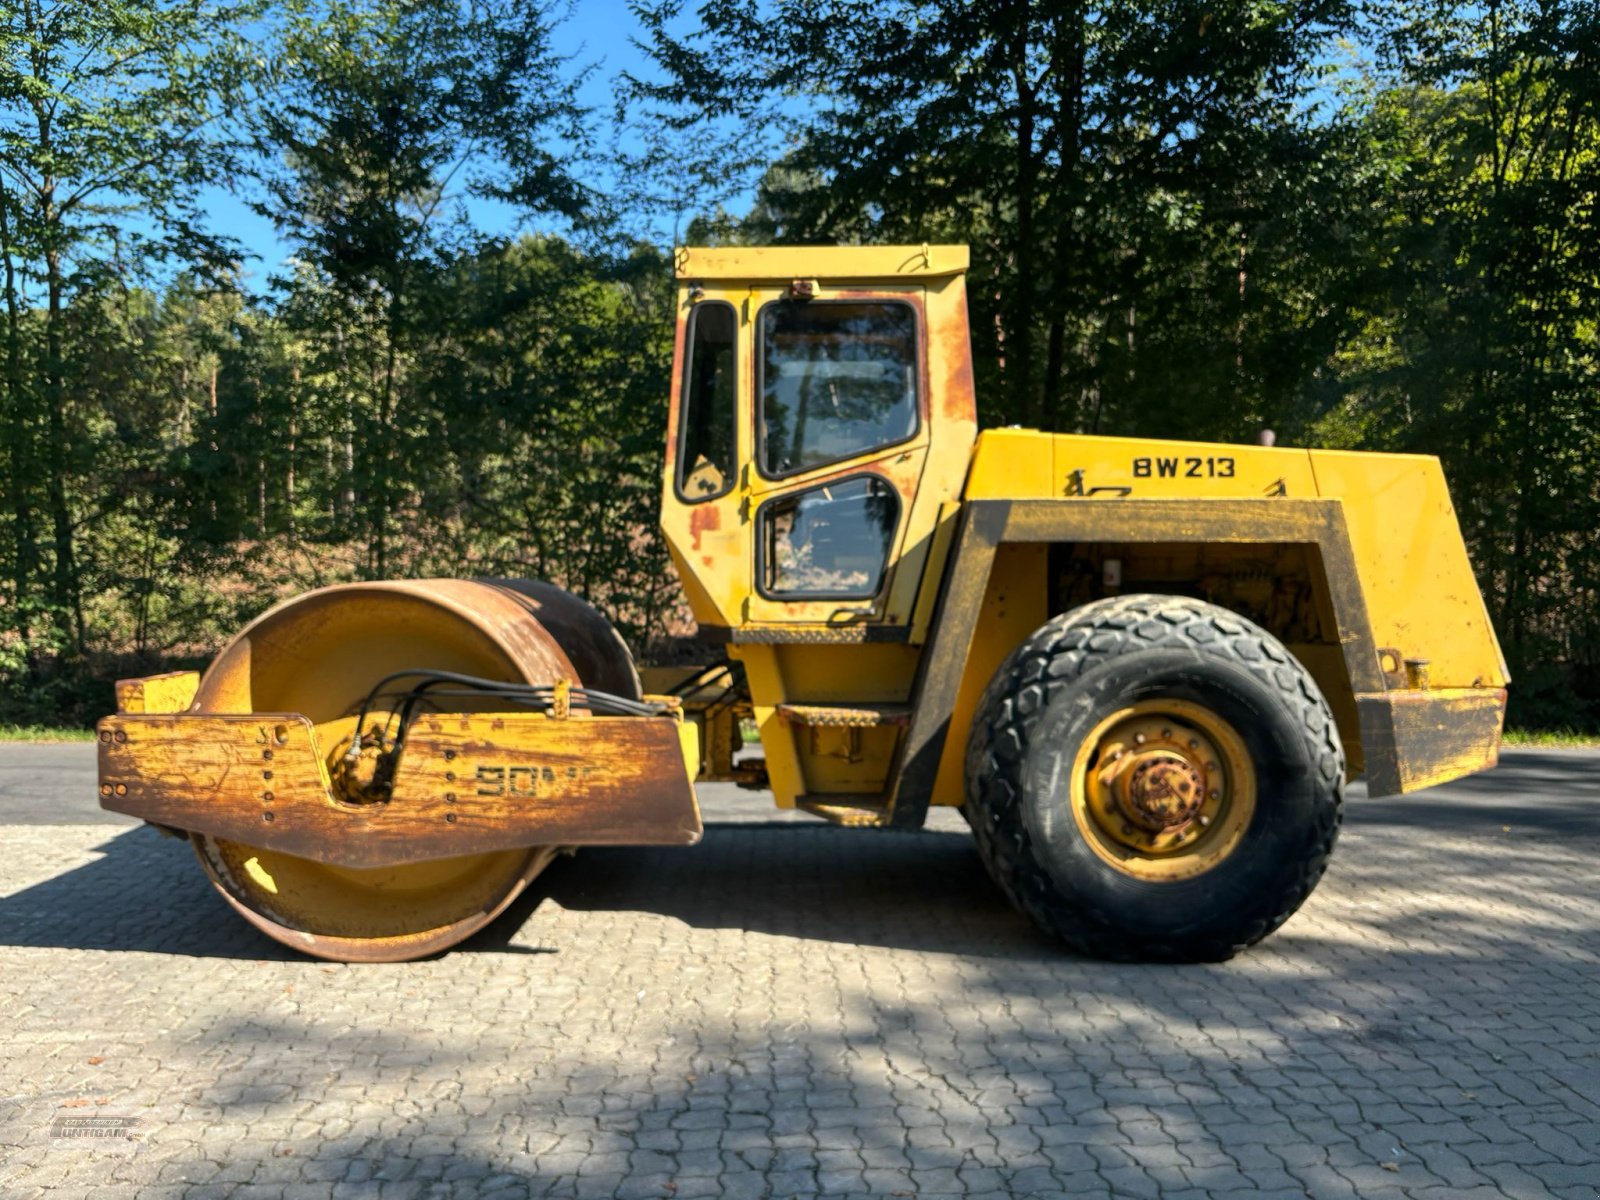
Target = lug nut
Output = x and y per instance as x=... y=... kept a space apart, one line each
x=1194 y=744
x=1204 y=820
x=1215 y=795
x=1139 y=739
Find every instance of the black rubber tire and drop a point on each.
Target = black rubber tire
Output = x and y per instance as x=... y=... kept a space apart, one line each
x=1070 y=675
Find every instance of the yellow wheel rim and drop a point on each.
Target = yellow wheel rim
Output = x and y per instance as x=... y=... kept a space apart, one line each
x=1163 y=790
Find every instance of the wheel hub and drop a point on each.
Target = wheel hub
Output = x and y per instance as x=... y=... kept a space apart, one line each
x=1157 y=785
x=1162 y=792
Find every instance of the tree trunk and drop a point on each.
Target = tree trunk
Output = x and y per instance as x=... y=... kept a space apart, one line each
x=289 y=450
x=344 y=505
x=17 y=413
x=1067 y=68
x=383 y=474
x=64 y=591
x=1019 y=359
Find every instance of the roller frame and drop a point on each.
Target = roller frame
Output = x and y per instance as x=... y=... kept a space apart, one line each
x=466 y=783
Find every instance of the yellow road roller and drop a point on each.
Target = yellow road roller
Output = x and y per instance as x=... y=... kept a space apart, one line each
x=1143 y=670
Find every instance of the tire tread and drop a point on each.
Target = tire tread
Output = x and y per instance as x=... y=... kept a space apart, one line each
x=1044 y=666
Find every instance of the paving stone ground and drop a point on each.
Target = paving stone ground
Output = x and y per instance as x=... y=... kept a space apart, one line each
x=792 y=1009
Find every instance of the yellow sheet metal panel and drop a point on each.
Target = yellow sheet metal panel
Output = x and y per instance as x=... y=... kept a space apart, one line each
x=944 y=531
x=466 y=783
x=689 y=745
x=953 y=425
x=726 y=608
x=1421 y=595
x=826 y=264
x=846 y=674
x=1012 y=464
x=1016 y=464
x=1014 y=605
x=1416 y=739
x=767 y=692
x=1106 y=467
x=168 y=693
x=846 y=760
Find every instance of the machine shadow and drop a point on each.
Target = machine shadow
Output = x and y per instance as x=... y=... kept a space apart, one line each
x=925 y=891
x=143 y=892
x=1566 y=782
x=914 y=891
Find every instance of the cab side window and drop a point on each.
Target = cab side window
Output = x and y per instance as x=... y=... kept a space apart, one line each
x=706 y=466
x=837 y=379
x=828 y=542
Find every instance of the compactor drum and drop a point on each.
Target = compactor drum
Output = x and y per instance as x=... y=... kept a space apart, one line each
x=1143 y=670
x=379 y=658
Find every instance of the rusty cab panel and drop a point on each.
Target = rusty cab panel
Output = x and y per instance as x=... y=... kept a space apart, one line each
x=822 y=424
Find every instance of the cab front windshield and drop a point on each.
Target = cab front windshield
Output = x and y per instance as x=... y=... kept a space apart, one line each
x=837 y=379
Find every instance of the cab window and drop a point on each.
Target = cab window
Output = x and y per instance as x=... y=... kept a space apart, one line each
x=828 y=542
x=710 y=392
x=838 y=378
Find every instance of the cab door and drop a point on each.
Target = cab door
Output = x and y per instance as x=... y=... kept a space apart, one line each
x=705 y=498
x=840 y=435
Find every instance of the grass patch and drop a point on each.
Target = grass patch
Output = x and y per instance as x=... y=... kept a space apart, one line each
x=1524 y=739
x=1551 y=739
x=43 y=733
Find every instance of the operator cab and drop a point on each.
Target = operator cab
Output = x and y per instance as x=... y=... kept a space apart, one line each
x=802 y=429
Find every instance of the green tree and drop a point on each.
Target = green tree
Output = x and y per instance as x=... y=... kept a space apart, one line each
x=1136 y=180
x=389 y=117
x=111 y=124
x=545 y=398
x=1480 y=339
x=142 y=382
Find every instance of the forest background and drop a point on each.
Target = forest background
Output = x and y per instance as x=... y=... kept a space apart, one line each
x=1369 y=226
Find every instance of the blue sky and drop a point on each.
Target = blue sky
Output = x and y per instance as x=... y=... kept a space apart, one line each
x=597 y=31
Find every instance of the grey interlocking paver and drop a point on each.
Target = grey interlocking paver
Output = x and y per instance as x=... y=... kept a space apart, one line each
x=791 y=1009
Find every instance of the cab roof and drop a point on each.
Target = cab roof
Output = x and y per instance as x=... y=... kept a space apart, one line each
x=826 y=264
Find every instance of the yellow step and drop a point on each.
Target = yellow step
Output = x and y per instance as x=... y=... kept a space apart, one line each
x=857 y=716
